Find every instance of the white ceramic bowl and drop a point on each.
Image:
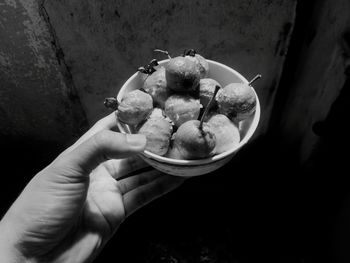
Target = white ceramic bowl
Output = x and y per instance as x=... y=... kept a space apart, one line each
x=187 y=168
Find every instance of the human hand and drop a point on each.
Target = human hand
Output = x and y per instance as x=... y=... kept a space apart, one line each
x=70 y=209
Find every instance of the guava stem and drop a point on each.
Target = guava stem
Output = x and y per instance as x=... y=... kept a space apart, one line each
x=190 y=52
x=142 y=70
x=208 y=107
x=111 y=103
x=254 y=79
x=163 y=51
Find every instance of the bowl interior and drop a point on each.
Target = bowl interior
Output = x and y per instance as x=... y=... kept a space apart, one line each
x=224 y=75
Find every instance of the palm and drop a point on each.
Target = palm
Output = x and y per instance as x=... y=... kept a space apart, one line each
x=109 y=201
x=104 y=208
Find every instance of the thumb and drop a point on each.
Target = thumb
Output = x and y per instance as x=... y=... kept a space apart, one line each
x=100 y=147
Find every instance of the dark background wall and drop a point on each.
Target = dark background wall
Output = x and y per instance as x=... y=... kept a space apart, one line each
x=37 y=97
x=60 y=59
x=104 y=42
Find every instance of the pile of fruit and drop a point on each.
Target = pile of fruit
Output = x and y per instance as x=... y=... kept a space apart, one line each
x=183 y=113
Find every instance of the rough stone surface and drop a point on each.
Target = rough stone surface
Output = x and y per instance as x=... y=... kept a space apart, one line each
x=36 y=99
x=104 y=42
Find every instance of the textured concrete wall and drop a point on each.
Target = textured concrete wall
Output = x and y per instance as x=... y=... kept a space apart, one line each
x=37 y=100
x=54 y=54
x=105 y=41
x=318 y=76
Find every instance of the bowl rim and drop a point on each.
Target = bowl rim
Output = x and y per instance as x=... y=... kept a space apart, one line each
x=211 y=159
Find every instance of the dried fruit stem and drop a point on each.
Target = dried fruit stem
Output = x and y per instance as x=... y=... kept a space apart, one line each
x=189 y=52
x=149 y=69
x=111 y=103
x=208 y=107
x=254 y=79
x=163 y=51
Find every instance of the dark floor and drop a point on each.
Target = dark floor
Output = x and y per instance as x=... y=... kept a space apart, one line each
x=261 y=206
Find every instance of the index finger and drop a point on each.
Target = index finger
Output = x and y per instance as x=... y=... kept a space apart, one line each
x=120 y=168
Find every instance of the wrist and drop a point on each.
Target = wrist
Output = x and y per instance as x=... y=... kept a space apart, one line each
x=8 y=249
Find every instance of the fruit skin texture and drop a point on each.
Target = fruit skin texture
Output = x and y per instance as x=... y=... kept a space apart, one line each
x=156 y=85
x=134 y=107
x=226 y=133
x=182 y=108
x=157 y=113
x=174 y=153
x=158 y=131
x=237 y=101
x=182 y=74
x=194 y=143
x=201 y=64
x=206 y=91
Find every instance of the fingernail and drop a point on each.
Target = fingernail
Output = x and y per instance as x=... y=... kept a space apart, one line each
x=136 y=140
